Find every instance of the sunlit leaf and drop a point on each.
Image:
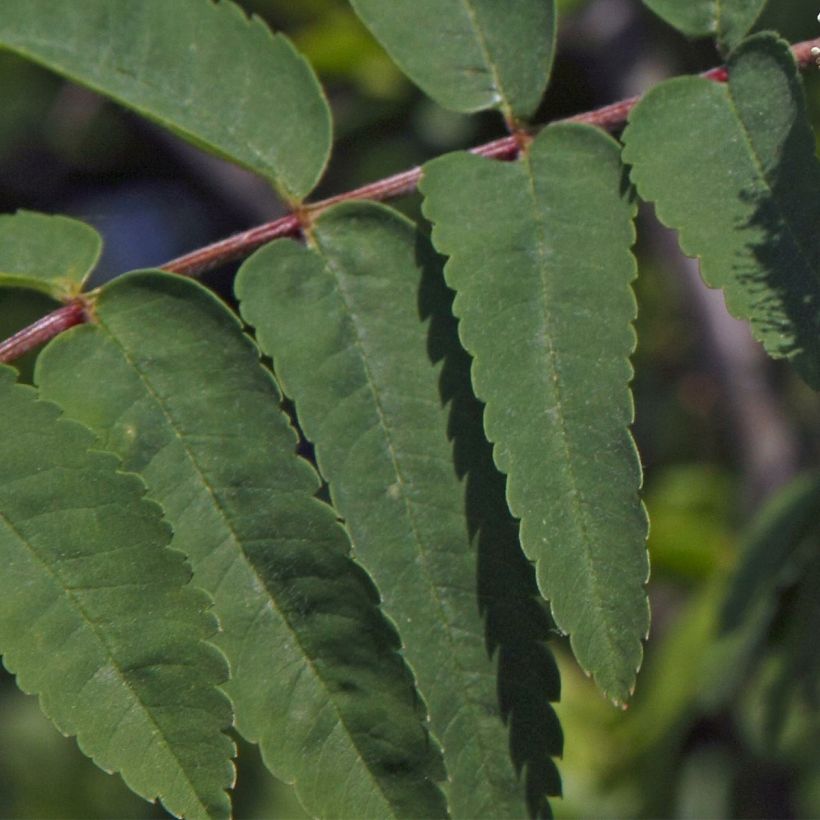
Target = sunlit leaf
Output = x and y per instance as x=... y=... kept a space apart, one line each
x=96 y=617
x=317 y=679
x=732 y=168
x=727 y=20
x=201 y=69
x=340 y=320
x=540 y=262
x=52 y=254
x=469 y=55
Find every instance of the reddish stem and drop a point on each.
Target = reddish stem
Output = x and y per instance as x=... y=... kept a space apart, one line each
x=235 y=247
x=42 y=330
x=242 y=244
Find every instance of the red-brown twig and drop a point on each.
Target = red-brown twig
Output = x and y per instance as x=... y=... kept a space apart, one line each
x=242 y=244
x=45 y=328
x=506 y=148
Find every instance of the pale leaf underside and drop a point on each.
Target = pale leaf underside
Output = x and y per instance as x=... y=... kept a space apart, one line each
x=201 y=69
x=340 y=320
x=82 y=552
x=469 y=55
x=316 y=677
x=540 y=262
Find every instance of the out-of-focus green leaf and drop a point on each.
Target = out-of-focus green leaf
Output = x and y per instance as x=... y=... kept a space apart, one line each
x=542 y=277
x=52 y=254
x=727 y=20
x=28 y=94
x=774 y=539
x=340 y=320
x=317 y=679
x=776 y=553
x=469 y=55
x=732 y=168
x=82 y=554
x=689 y=506
x=71 y=788
x=517 y=621
x=201 y=69
x=339 y=46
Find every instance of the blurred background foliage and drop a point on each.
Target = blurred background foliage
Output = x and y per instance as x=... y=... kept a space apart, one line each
x=714 y=729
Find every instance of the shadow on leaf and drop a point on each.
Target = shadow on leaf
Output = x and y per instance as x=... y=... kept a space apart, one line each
x=517 y=621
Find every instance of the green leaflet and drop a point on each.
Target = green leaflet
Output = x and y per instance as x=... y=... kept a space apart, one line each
x=517 y=621
x=52 y=254
x=340 y=320
x=727 y=20
x=198 y=68
x=799 y=673
x=469 y=55
x=82 y=553
x=541 y=267
x=316 y=677
x=732 y=168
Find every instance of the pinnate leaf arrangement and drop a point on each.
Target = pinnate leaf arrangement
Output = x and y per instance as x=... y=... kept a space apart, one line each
x=172 y=567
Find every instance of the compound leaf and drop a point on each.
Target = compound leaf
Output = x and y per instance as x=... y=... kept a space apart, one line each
x=316 y=676
x=96 y=617
x=201 y=69
x=540 y=262
x=727 y=20
x=469 y=55
x=19 y=307
x=340 y=320
x=732 y=168
x=52 y=254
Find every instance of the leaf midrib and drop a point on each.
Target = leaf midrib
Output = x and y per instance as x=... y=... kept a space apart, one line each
x=488 y=61
x=240 y=551
x=101 y=639
x=409 y=505
x=579 y=516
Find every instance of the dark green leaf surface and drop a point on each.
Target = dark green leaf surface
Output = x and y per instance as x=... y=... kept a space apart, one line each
x=96 y=617
x=727 y=20
x=732 y=168
x=516 y=618
x=469 y=55
x=772 y=604
x=771 y=552
x=800 y=670
x=201 y=69
x=316 y=677
x=341 y=322
x=52 y=254
x=541 y=267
